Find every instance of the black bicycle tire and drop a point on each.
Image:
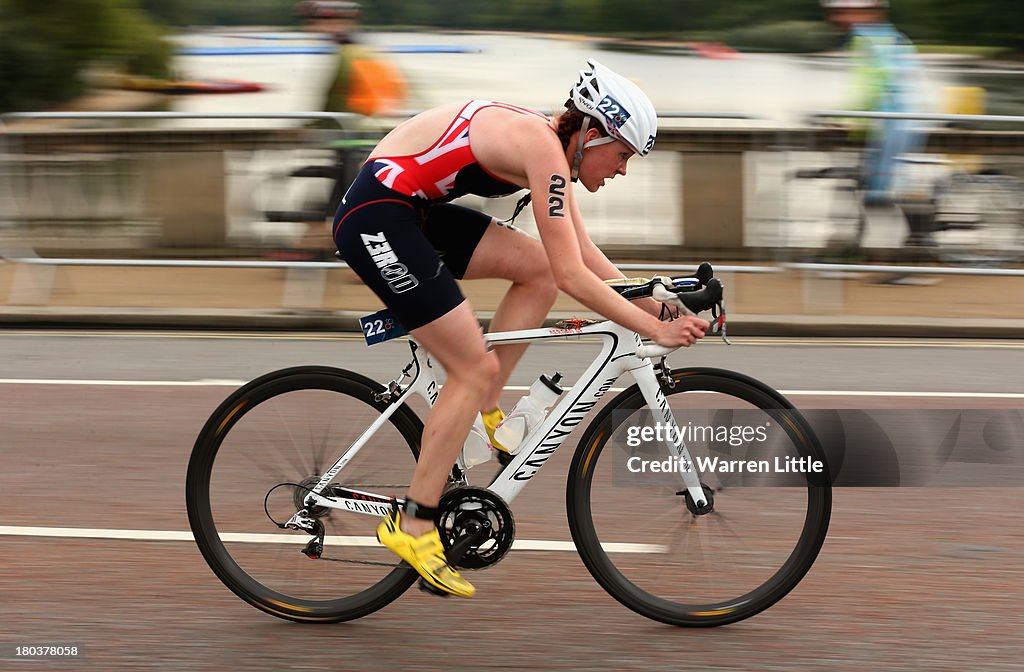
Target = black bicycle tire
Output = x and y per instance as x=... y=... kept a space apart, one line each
x=197 y=494
x=581 y=526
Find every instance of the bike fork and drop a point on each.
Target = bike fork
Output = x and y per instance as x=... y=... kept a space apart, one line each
x=647 y=381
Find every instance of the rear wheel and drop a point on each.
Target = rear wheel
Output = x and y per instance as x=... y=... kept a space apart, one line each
x=263 y=447
x=648 y=544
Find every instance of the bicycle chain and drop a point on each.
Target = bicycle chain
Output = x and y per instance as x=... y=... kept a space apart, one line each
x=362 y=562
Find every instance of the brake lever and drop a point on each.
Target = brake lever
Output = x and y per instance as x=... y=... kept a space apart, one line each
x=718 y=320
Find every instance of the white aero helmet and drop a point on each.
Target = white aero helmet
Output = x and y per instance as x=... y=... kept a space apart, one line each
x=624 y=111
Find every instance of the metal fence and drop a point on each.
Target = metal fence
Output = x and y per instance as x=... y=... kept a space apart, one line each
x=152 y=181
x=717 y=184
x=716 y=181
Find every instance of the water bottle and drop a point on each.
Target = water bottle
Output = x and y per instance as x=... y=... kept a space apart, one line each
x=476 y=450
x=528 y=412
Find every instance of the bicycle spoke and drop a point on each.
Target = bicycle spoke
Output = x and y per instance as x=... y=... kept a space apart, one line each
x=300 y=459
x=322 y=447
x=270 y=449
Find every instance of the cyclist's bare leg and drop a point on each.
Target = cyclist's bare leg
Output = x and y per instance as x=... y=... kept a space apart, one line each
x=510 y=254
x=456 y=342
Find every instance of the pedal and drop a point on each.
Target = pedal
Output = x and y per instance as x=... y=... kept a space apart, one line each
x=425 y=586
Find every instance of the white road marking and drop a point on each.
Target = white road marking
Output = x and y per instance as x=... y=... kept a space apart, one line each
x=171 y=535
x=218 y=382
x=885 y=393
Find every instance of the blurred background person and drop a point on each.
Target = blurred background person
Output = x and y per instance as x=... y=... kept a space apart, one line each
x=362 y=82
x=886 y=78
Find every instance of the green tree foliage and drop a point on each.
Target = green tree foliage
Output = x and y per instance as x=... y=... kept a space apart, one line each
x=169 y=12
x=979 y=22
x=984 y=22
x=221 y=12
x=995 y=22
x=45 y=47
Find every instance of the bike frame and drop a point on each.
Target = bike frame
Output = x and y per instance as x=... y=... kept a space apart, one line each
x=621 y=352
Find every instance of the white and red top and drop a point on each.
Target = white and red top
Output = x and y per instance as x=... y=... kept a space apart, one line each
x=448 y=168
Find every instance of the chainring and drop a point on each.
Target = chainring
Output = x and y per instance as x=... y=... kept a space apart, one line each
x=466 y=509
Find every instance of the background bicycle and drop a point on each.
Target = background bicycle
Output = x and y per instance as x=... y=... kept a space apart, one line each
x=961 y=217
x=291 y=195
x=958 y=208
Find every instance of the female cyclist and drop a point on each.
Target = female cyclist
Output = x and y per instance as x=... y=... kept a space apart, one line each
x=397 y=231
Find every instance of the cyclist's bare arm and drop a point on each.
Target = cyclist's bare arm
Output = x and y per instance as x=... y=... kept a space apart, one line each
x=525 y=151
x=597 y=261
x=547 y=175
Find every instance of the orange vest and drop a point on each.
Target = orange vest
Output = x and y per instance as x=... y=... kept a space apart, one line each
x=374 y=87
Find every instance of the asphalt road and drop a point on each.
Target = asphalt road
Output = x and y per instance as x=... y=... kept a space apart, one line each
x=96 y=433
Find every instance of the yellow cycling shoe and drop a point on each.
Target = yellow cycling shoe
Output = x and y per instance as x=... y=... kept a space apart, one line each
x=425 y=554
x=491 y=421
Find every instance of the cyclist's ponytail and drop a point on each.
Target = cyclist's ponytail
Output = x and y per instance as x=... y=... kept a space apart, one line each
x=570 y=121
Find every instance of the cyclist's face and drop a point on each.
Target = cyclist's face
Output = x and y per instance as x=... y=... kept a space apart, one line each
x=603 y=162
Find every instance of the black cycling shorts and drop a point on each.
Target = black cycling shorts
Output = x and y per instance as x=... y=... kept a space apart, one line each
x=406 y=249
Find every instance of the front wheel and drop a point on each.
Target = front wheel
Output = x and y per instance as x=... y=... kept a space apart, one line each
x=254 y=460
x=652 y=548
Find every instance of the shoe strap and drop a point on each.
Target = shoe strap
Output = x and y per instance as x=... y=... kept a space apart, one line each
x=414 y=509
x=429 y=544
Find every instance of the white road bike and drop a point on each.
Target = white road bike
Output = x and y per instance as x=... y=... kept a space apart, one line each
x=683 y=496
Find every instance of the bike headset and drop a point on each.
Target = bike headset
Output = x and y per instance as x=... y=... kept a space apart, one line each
x=623 y=110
